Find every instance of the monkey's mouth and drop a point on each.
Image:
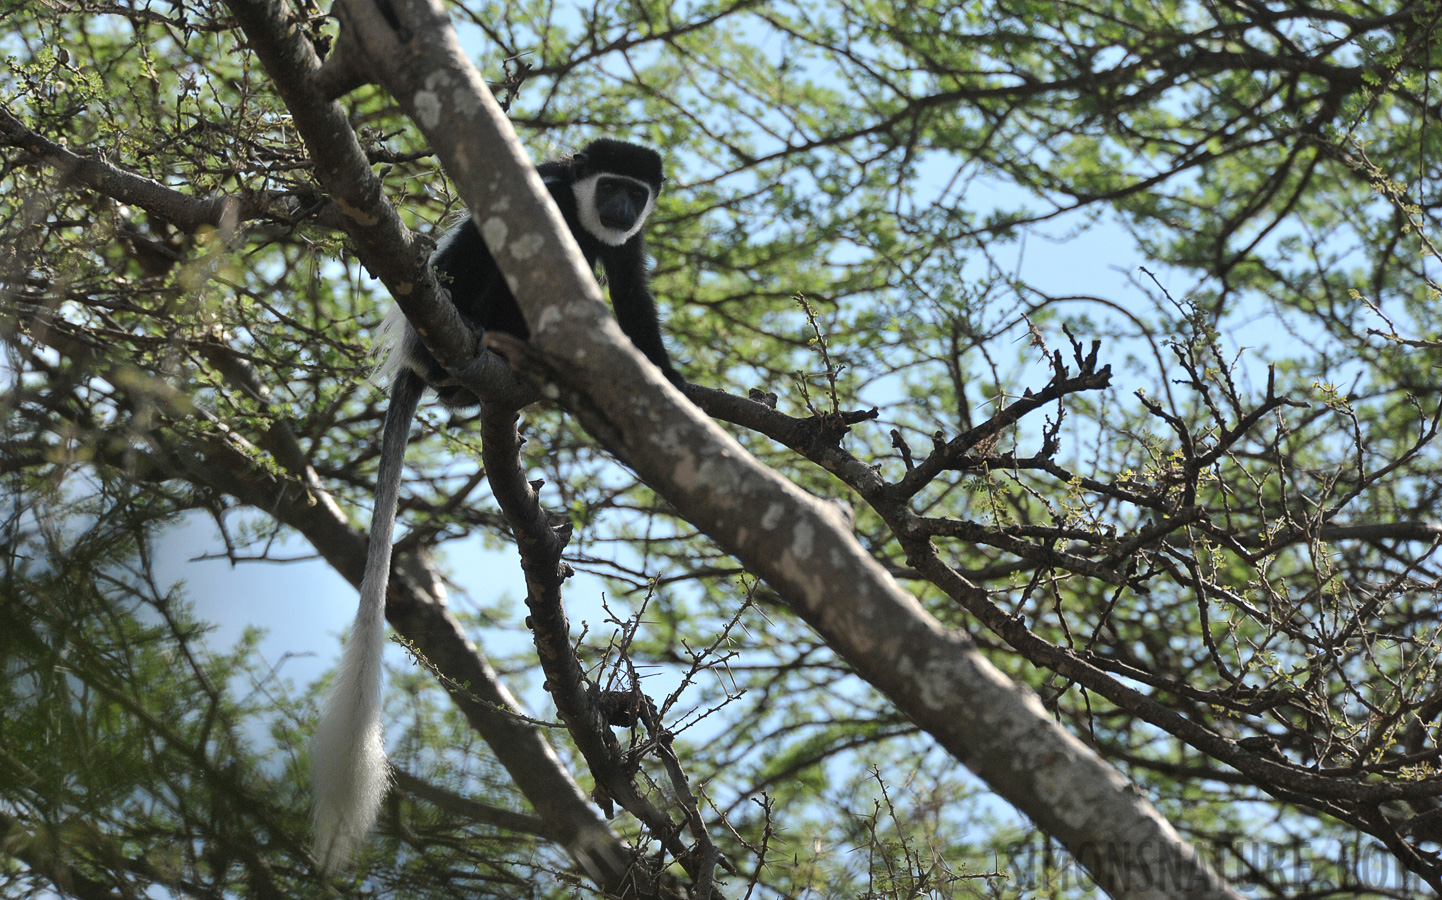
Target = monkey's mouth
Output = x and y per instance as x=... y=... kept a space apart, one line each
x=617 y=220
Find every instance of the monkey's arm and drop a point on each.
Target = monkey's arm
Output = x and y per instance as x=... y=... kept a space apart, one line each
x=628 y=280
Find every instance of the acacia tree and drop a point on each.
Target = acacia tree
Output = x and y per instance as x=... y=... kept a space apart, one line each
x=1220 y=575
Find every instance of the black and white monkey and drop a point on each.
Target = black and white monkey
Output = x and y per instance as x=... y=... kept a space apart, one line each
x=605 y=193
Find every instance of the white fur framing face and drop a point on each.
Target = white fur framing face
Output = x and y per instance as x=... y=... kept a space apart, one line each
x=585 y=191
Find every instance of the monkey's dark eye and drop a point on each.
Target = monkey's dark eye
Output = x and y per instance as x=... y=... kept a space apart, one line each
x=609 y=189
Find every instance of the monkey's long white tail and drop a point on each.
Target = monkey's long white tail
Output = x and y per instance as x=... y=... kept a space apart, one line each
x=348 y=757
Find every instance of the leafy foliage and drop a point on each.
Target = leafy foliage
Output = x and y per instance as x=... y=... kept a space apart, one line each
x=1220 y=569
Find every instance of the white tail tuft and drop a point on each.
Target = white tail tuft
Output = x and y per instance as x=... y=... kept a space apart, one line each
x=348 y=756
x=349 y=773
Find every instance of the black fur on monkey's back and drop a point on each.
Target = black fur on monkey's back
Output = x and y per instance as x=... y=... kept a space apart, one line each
x=479 y=291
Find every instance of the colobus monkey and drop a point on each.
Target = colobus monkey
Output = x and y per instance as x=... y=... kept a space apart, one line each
x=605 y=194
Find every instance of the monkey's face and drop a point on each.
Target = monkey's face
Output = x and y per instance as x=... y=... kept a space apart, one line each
x=613 y=207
